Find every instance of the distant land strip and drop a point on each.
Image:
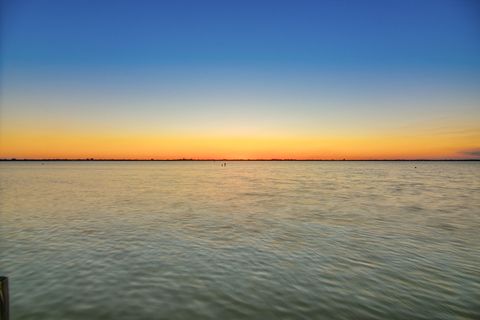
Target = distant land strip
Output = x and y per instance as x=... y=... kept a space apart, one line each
x=192 y=159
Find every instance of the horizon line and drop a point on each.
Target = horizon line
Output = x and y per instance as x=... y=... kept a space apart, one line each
x=225 y=159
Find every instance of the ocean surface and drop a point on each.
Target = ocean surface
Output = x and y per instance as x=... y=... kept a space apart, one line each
x=252 y=240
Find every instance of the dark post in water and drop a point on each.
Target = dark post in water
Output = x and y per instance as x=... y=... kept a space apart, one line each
x=4 y=298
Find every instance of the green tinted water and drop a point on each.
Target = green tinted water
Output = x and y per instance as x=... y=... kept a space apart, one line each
x=262 y=240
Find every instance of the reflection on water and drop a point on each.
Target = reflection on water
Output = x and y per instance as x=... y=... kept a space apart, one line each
x=193 y=240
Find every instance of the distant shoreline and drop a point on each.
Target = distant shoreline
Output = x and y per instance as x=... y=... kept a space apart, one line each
x=171 y=160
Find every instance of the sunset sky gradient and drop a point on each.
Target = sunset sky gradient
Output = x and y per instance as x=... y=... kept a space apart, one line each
x=240 y=79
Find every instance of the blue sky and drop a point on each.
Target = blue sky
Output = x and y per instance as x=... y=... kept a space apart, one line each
x=440 y=34
x=299 y=68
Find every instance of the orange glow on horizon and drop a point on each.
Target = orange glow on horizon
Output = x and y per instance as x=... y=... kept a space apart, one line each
x=24 y=145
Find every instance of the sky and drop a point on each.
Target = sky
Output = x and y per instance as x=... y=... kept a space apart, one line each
x=385 y=79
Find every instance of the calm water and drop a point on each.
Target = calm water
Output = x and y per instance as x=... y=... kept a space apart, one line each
x=263 y=240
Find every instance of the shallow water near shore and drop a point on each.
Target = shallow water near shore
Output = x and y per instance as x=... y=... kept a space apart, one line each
x=252 y=240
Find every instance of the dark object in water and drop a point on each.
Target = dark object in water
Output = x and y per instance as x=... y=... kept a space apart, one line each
x=4 y=303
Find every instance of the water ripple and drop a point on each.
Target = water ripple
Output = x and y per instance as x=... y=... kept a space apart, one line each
x=262 y=240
